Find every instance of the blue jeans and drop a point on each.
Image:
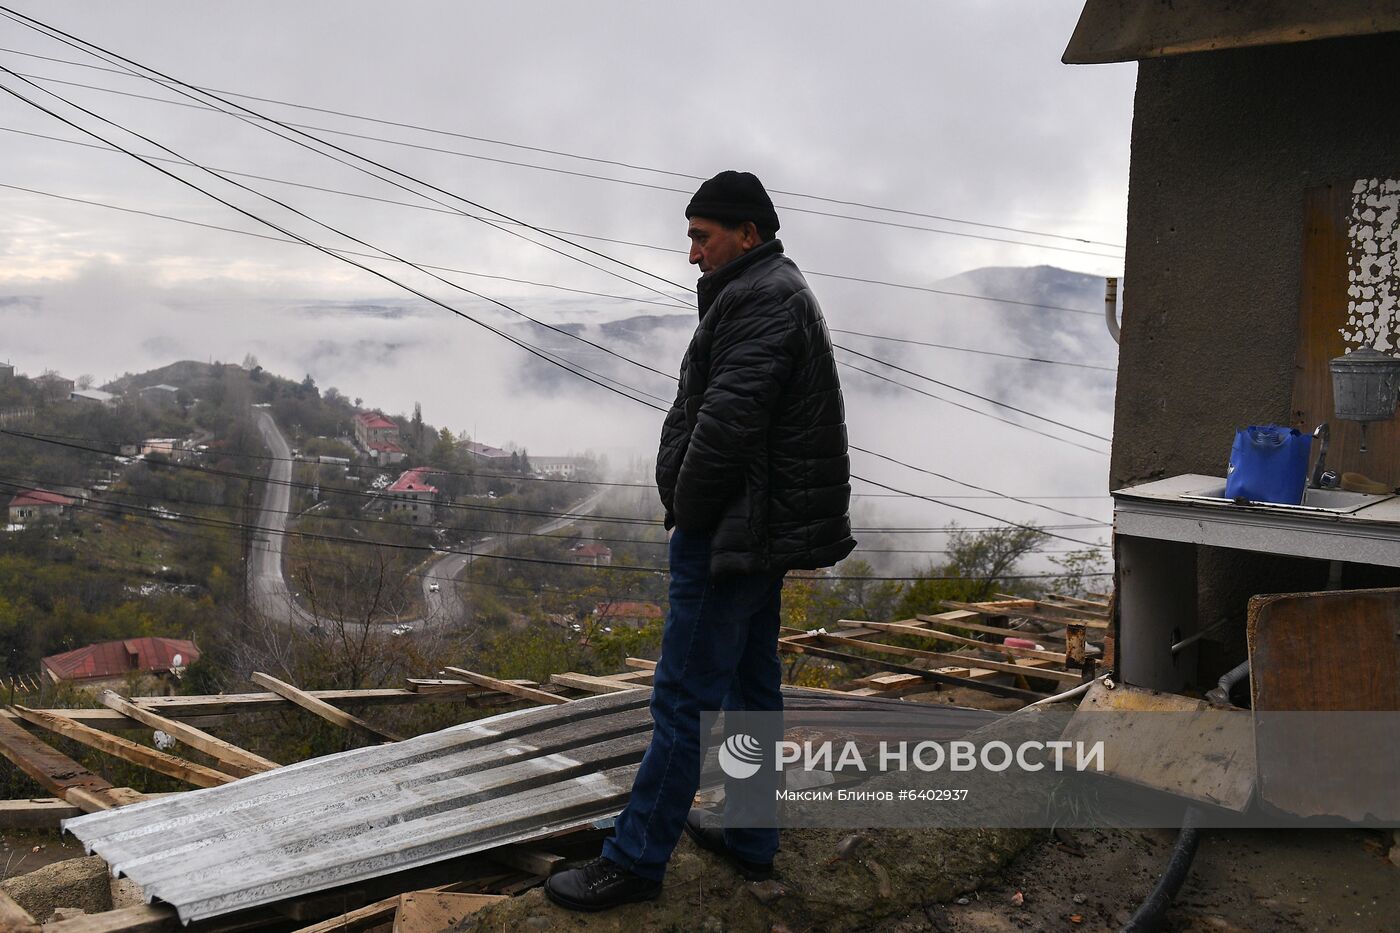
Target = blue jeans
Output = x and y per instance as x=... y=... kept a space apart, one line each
x=719 y=650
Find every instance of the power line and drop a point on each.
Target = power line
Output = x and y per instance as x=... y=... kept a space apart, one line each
x=569 y=367
x=390 y=255
x=568 y=233
x=992 y=401
x=944 y=346
x=589 y=175
x=592 y=517
x=246 y=526
x=575 y=368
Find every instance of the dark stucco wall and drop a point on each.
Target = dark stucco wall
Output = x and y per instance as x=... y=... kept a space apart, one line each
x=1224 y=144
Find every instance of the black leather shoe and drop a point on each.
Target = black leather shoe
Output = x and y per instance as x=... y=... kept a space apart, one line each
x=600 y=884
x=707 y=829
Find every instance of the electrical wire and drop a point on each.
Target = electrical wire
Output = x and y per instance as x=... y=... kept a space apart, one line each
x=623 y=181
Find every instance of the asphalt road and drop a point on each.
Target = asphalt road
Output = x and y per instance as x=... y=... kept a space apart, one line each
x=267 y=586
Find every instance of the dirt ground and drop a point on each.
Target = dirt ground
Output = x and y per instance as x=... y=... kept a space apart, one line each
x=1240 y=881
x=23 y=851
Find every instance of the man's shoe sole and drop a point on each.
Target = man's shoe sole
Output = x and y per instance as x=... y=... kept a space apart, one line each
x=747 y=870
x=596 y=908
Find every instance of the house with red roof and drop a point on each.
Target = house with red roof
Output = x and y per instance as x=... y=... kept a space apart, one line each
x=593 y=553
x=412 y=497
x=32 y=504
x=116 y=660
x=378 y=436
x=626 y=612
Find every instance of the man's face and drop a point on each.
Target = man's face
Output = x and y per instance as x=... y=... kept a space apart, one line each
x=712 y=244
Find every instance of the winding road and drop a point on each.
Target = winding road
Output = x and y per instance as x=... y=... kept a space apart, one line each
x=267 y=585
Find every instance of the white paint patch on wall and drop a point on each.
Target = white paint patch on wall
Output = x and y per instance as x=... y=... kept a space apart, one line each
x=1373 y=272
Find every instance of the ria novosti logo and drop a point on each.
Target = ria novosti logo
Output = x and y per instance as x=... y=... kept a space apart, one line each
x=740 y=756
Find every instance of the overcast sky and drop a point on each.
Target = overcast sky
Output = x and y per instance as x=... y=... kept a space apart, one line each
x=960 y=110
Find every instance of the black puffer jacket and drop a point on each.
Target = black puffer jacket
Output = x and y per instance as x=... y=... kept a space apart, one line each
x=754 y=448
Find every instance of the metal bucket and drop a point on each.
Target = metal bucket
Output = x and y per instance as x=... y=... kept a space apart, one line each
x=1364 y=385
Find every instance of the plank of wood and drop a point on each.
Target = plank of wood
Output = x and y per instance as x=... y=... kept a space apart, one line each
x=892 y=628
x=933 y=676
x=145 y=918
x=125 y=749
x=187 y=707
x=231 y=755
x=590 y=684
x=1336 y=656
x=937 y=622
x=320 y=707
x=528 y=859
x=1030 y=609
x=1025 y=670
x=434 y=911
x=14 y=918
x=54 y=771
x=505 y=686
x=641 y=664
x=1170 y=743
x=440 y=687
x=35 y=813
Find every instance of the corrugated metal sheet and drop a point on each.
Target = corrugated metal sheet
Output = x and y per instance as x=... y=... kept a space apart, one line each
x=367 y=812
x=345 y=818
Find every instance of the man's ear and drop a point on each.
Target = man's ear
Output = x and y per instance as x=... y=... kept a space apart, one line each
x=751 y=236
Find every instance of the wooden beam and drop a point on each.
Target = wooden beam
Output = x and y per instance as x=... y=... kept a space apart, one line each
x=938 y=621
x=641 y=664
x=528 y=859
x=125 y=749
x=590 y=684
x=35 y=813
x=505 y=686
x=935 y=676
x=231 y=755
x=1022 y=669
x=145 y=918
x=320 y=707
x=56 y=772
x=893 y=628
x=1029 y=609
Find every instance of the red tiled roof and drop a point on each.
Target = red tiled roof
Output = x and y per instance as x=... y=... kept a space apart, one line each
x=412 y=481
x=39 y=497
x=116 y=658
x=386 y=447
x=373 y=419
x=485 y=450
x=592 y=549
x=628 y=610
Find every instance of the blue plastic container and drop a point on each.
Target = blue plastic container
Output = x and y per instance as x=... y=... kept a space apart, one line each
x=1268 y=463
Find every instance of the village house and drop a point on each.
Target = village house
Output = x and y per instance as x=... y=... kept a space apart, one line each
x=594 y=554
x=559 y=467
x=378 y=437
x=54 y=385
x=29 y=505
x=109 y=663
x=94 y=396
x=174 y=449
x=7 y=372
x=626 y=612
x=161 y=397
x=493 y=458
x=412 y=497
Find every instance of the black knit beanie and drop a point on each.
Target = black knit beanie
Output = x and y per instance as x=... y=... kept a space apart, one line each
x=734 y=197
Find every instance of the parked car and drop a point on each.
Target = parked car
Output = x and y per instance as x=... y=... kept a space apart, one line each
x=433 y=587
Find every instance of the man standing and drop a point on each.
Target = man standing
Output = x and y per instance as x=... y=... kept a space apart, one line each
x=755 y=478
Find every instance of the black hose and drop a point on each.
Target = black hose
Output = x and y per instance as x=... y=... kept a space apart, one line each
x=1149 y=914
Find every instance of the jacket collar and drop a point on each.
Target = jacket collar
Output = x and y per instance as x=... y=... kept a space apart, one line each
x=712 y=283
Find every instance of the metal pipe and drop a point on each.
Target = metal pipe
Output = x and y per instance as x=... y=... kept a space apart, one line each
x=1220 y=696
x=1192 y=639
x=1110 y=307
x=1067 y=695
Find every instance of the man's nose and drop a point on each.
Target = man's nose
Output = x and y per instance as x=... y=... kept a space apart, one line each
x=695 y=255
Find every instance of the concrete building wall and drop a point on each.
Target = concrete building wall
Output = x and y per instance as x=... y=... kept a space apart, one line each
x=1224 y=145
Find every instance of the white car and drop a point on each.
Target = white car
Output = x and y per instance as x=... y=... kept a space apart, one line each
x=401 y=630
x=433 y=587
